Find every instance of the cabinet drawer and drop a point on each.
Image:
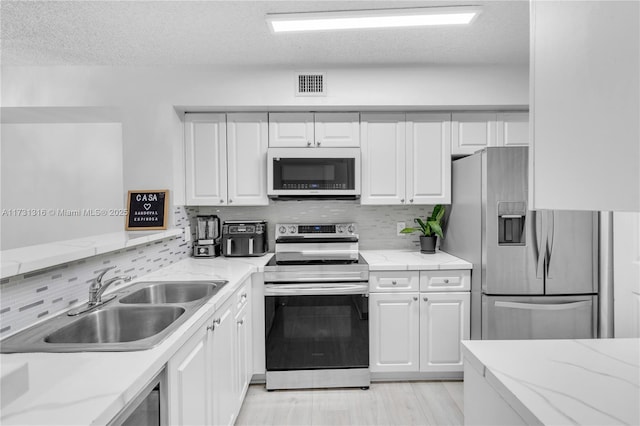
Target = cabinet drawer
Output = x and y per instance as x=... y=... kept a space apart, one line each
x=389 y=281
x=453 y=280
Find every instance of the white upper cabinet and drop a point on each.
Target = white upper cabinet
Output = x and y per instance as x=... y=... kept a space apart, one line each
x=226 y=159
x=314 y=130
x=513 y=129
x=206 y=159
x=247 y=143
x=406 y=158
x=337 y=129
x=585 y=81
x=383 y=158
x=472 y=131
x=428 y=159
x=291 y=129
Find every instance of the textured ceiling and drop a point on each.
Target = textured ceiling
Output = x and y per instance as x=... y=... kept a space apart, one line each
x=234 y=33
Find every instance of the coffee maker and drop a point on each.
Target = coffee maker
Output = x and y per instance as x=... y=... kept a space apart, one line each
x=207 y=242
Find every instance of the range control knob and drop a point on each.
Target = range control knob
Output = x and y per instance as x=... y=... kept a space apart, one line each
x=292 y=229
x=341 y=229
x=282 y=230
x=351 y=229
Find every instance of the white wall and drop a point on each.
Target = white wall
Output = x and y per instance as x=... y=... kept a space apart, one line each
x=51 y=173
x=626 y=274
x=152 y=131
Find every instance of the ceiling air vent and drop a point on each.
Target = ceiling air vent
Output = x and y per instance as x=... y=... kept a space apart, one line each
x=311 y=84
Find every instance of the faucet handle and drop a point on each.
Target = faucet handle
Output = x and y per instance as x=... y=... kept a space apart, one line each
x=101 y=274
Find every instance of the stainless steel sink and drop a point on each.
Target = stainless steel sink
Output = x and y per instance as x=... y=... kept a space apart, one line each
x=172 y=293
x=117 y=324
x=140 y=317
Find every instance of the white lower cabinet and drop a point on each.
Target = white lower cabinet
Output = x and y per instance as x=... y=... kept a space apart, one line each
x=209 y=375
x=393 y=331
x=413 y=331
x=444 y=319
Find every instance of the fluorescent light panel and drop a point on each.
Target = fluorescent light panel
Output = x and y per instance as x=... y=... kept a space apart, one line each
x=360 y=19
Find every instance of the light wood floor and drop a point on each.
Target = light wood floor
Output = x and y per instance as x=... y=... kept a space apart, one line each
x=388 y=403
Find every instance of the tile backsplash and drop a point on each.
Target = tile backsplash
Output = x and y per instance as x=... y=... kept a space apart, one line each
x=30 y=297
x=376 y=224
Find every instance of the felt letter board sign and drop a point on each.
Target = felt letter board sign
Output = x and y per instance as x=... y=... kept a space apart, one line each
x=146 y=210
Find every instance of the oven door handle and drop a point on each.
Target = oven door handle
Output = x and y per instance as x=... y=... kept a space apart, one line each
x=314 y=289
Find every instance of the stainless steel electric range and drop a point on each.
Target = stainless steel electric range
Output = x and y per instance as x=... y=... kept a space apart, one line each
x=316 y=308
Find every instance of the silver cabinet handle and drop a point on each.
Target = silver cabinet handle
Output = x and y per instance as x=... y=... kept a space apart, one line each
x=402 y=200
x=210 y=327
x=446 y=281
x=394 y=282
x=411 y=200
x=318 y=143
x=308 y=143
x=216 y=321
x=230 y=201
x=243 y=295
x=240 y=322
x=415 y=297
x=425 y=299
x=221 y=201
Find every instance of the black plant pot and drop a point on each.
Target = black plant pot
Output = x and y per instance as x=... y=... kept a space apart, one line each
x=428 y=244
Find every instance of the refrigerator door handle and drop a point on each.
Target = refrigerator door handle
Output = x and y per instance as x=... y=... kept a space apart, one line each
x=550 y=234
x=543 y=307
x=539 y=242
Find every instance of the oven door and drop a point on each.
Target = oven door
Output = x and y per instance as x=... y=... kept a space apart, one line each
x=316 y=326
x=313 y=172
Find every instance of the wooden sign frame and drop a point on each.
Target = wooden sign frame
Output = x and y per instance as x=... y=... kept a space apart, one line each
x=145 y=193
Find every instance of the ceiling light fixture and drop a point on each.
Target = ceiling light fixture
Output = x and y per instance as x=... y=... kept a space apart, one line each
x=381 y=18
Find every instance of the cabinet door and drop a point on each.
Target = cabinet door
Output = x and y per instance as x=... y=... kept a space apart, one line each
x=247 y=143
x=383 y=158
x=188 y=387
x=472 y=131
x=223 y=361
x=291 y=129
x=444 y=322
x=205 y=159
x=337 y=129
x=513 y=129
x=428 y=158
x=393 y=331
x=243 y=351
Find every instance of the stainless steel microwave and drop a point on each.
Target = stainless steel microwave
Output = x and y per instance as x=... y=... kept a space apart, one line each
x=313 y=172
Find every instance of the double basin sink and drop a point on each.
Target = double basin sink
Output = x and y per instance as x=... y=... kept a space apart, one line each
x=139 y=317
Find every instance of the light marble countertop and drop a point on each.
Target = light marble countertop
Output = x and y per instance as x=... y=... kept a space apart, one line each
x=92 y=387
x=552 y=382
x=31 y=258
x=412 y=260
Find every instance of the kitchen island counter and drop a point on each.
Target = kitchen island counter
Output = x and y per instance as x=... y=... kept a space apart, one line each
x=552 y=382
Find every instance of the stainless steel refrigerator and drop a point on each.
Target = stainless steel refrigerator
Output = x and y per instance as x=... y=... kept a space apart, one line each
x=534 y=272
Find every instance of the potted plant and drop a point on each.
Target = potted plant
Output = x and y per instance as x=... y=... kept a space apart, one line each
x=431 y=229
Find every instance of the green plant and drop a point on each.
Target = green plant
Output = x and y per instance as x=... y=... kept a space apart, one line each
x=432 y=224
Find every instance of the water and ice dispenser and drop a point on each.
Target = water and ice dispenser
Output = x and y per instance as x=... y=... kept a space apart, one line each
x=511 y=223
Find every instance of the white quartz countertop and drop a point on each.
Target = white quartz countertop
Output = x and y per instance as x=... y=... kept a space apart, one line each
x=381 y=260
x=553 y=382
x=92 y=387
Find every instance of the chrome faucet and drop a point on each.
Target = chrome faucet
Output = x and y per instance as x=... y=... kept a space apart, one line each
x=98 y=287
x=95 y=292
